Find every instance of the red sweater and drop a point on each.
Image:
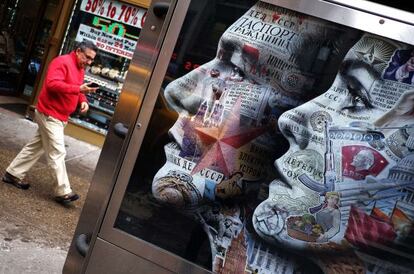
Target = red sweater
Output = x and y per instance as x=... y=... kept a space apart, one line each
x=60 y=94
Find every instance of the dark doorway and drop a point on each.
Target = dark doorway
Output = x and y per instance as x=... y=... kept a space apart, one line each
x=25 y=29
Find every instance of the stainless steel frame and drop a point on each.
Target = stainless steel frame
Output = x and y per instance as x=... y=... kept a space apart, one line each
x=134 y=245
x=115 y=147
x=360 y=14
x=140 y=91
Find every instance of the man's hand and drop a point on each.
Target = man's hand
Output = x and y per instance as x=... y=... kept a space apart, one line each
x=84 y=107
x=85 y=88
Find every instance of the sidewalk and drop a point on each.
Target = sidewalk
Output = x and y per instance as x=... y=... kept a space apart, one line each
x=35 y=231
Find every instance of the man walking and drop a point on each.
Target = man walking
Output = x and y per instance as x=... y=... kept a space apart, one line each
x=62 y=92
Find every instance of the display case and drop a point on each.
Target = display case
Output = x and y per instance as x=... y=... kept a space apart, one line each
x=264 y=137
x=114 y=26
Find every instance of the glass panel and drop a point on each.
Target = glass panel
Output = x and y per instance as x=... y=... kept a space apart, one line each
x=114 y=27
x=401 y=6
x=275 y=134
x=40 y=44
x=19 y=21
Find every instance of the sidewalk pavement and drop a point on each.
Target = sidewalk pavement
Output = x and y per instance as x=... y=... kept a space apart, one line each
x=35 y=231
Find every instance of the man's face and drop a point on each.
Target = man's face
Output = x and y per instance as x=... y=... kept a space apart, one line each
x=350 y=108
x=359 y=160
x=85 y=57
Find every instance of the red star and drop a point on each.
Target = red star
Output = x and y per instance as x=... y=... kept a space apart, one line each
x=222 y=142
x=275 y=17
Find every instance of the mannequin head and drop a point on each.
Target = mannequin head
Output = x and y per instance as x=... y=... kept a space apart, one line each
x=363 y=120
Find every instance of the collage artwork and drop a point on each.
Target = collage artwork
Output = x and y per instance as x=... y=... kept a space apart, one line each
x=297 y=138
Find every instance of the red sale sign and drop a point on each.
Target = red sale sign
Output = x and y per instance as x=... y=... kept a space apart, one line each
x=115 y=10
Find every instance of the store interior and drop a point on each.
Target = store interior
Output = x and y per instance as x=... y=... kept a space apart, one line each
x=25 y=28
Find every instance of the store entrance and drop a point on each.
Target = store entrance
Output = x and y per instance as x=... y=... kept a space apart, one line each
x=25 y=29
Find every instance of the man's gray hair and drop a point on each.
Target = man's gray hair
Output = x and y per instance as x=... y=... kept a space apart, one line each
x=87 y=44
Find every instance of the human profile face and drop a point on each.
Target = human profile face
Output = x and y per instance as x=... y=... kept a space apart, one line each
x=85 y=57
x=363 y=160
x=358 y=161
x=335 y=128
x=267 y=61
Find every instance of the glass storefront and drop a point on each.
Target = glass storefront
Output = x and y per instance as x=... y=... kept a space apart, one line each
x=25 y=27
x=114 y=27
x=200 y=186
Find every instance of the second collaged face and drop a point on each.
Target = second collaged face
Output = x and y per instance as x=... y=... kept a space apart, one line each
x=348 y=176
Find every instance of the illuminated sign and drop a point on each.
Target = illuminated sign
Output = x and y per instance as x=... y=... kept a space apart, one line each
x=107 y=42
x=114 y=10
x=112 y=25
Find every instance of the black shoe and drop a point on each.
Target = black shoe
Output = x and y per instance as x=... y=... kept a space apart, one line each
x=10 y=179
x=67 y=198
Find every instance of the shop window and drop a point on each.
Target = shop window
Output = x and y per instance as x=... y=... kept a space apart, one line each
x=114 y=27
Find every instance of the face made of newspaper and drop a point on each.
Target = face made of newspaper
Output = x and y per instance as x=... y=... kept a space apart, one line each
x=354 y=143
x=227 y=167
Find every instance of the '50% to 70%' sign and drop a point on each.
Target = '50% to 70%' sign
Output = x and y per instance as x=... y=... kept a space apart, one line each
x=115 y=10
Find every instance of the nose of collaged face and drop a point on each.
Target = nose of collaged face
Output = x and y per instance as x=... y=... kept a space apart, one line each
x=293 y=126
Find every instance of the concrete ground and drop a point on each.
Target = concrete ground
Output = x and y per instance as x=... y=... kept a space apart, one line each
x=35 y=231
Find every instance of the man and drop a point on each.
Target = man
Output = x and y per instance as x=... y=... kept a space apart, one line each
x=363 y=160
x=62 y=91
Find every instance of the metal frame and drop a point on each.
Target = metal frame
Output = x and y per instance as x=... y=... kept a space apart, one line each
x=138 y=98
x=359 y=14
x=114 y=148
x=107 y=232
x=378 y=9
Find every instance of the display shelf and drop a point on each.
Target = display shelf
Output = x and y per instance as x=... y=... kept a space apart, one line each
x=88 y=125
x=110 y=85
x=104 y=99
x=97 y=105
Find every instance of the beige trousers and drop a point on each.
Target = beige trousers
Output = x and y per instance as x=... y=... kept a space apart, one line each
x=49 y=139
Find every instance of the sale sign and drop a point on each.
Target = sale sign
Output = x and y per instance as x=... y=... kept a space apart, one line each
x=107 y=42
x=114 y=10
